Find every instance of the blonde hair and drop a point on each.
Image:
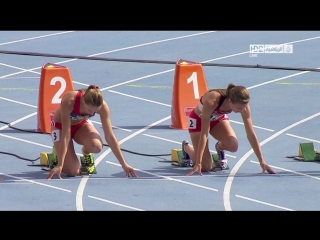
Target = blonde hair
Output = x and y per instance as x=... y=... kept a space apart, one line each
x=92 y=96
x=237 y=94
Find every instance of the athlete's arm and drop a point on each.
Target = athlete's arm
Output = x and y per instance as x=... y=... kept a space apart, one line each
x=110 y=138
x=209 y=103
x=251 y=135
x=66 y=108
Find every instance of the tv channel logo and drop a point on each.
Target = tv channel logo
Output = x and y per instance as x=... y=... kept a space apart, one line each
x=255 y=49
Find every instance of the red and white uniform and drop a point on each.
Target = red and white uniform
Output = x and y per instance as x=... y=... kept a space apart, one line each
x=217 y=116
x=75 y=115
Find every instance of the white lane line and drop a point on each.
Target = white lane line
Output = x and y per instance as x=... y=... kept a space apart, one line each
x=112 y=51
x=35 y=182
x=168 y=105
x=234 y=170
x=84 y=180
x=32 y=38
x=265 y=203
x=291 y=171
x=114 y=203
x=308 y=139
x=170 y=178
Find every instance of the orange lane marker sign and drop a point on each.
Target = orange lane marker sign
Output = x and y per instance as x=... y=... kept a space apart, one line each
x=55 y=81
x=189 y=84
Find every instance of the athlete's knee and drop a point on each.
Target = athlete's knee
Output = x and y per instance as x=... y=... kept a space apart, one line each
x=94 y=146
x=71 y=172
x=231 y=144
x=206 y=167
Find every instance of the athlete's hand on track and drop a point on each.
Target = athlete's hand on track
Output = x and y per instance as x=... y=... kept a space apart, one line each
x=129 y=171
x=196 y=168
x=265 y=167
x=56 y=170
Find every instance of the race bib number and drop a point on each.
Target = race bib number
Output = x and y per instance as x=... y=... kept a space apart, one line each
x=192 y=123
x=55 y=134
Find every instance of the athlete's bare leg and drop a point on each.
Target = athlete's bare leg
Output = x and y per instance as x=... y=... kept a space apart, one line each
x=223 y=133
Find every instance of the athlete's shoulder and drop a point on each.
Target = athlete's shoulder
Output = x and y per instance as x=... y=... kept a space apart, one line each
x=69 y=97
x=211 y=96
x=72 y=94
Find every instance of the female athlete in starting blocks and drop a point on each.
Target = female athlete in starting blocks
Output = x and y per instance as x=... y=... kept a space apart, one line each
x=210 y=116
x=70 y=122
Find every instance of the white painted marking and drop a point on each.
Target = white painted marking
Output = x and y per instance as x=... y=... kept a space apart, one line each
x=19 y=120
x=112 y=51
x=114 y=203
x=168 y=105
x=84 y=180
x=220 y=58
x=308 y=139
x=234 y=170
x=291 y=171
x=143 y=99
x=123 y=129
x=169 y=178
x=35 y=182
x=265 y=203
x=32 y=38
x=21 y=103
x=262 y=128
x=16 y=183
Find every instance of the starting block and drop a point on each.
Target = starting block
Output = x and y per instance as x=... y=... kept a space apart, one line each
x=306 y=152
x=177 y=158
x=46 y=162
x=46 y=159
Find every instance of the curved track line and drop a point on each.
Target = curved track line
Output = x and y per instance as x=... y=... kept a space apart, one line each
x=85 y=179
x=234 y=170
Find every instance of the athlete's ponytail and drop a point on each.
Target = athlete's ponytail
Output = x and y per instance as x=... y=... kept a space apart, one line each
x=237 y=94
x=92 y=96
x=230 y=86
x=95 y=87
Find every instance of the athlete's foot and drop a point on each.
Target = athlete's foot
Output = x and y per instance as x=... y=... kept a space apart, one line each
x=54 y=160
x=222 y=157
x=89 y=162
x=184 y=153
x=186 y=158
